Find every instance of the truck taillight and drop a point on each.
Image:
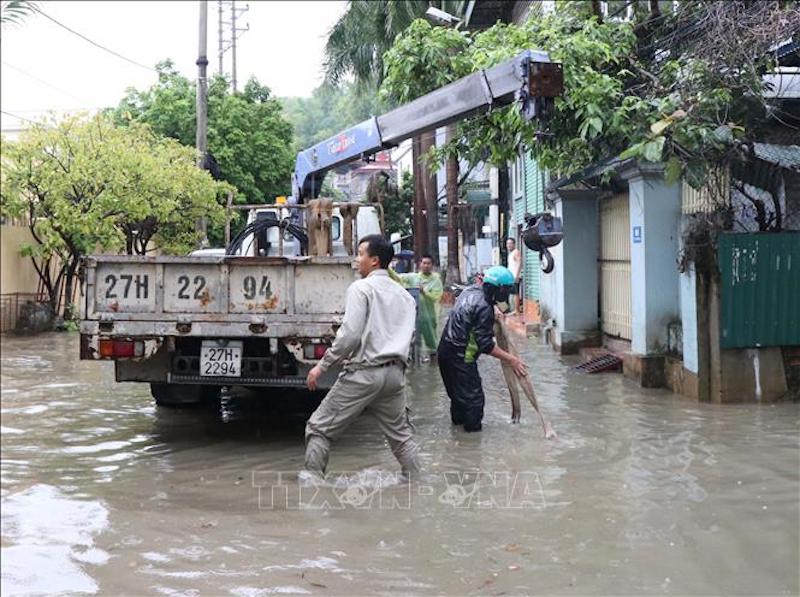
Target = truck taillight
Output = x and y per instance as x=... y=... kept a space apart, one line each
x=116 y=349
x=314 y=351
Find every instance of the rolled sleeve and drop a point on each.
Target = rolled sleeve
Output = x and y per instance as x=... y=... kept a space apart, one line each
x=349 y=334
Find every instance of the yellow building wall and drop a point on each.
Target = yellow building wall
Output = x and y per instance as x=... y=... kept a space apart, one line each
x=16 y=272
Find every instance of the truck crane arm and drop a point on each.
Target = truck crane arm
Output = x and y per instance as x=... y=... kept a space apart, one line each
x=529 y=78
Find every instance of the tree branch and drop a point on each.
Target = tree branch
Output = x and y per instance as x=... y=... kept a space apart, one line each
x=761 y=211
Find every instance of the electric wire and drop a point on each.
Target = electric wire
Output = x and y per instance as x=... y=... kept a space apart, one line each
x=94 y=43
x=43 y=82
x=17 y=116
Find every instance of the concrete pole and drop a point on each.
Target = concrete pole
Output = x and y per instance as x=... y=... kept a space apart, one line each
x=233 y=43
x=201 y=137
x=220 y=50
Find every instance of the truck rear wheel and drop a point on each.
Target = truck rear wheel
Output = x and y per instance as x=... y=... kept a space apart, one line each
x=176 y=395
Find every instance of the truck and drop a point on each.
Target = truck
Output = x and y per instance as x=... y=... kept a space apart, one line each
x=263 y=311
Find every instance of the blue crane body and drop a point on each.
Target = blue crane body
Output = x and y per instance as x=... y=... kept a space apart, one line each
x=530 y=79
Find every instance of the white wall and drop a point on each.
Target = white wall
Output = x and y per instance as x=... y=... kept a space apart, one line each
x=688 y=298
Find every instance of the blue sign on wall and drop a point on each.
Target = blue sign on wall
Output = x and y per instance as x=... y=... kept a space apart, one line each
x=637 y=234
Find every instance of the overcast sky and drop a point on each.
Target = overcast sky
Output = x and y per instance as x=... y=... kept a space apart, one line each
x=45 y=67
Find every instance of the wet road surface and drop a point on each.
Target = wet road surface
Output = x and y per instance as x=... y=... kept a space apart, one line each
x=644 y=492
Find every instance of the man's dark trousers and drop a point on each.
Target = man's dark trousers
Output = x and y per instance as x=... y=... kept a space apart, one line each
x=464 y=387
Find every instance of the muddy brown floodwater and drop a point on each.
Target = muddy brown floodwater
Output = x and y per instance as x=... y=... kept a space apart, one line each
x=644 y=492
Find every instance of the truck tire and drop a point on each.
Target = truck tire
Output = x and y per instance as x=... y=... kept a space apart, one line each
x=178 y=396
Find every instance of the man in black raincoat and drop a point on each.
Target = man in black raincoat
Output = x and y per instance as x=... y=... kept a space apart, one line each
x=468 y=333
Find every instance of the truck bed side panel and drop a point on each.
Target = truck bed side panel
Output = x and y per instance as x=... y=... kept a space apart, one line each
x=216 y=290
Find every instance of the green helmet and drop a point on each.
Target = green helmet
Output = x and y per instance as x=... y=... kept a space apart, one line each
x=497 y=275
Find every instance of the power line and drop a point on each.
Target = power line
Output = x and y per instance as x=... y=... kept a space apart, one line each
x=18 y=117
x=43 y=82
x=94 y=43
x=56 y=109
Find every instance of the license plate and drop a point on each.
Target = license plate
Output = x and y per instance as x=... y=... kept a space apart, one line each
x=221 y=358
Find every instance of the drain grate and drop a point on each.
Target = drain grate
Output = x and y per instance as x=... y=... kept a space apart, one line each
x=605 y=362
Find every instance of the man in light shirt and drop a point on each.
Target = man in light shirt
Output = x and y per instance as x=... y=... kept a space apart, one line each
x=515 y=266
x=372 y=345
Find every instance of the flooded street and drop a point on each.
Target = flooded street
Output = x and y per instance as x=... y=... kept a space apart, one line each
x=644 y=492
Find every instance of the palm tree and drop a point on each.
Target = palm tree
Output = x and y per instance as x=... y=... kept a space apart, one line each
x=361 y=36
x=15 y=11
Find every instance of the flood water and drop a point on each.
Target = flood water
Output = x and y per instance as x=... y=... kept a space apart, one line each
x=644 y=492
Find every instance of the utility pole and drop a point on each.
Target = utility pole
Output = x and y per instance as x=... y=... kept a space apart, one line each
x=201 y=137
x=235 y=14
x=228 y=33
x=220 y=50
x=233 y=43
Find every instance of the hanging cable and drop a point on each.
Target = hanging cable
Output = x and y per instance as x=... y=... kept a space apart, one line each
x=260 y=227
x=18 y=117
x=94 y=43
x=43 y=82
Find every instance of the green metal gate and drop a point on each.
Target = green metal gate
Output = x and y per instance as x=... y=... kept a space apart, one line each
x=760 y=289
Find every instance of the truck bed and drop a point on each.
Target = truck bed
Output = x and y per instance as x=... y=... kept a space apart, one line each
x=215 y=296
x=167 y=320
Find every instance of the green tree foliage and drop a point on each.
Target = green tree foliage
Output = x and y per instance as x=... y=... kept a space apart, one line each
x=84 y=185
x=397 y=205
x=331 y=192
x=357 y=42
x=356 y=47
x=248 y=134
x=365 y=32
x=329 y=110
x=423 y=59
x=684 y=88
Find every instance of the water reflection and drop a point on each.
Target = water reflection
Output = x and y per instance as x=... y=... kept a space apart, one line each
x=644 y=492
x=53 y=538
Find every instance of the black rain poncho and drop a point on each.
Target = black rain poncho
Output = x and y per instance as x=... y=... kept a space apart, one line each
x=469 y=332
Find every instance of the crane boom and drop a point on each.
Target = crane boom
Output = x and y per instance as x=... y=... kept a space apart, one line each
x=530 y=79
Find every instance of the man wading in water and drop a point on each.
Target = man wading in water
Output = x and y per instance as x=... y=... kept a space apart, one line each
x=468 y=333
x=373 y=344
